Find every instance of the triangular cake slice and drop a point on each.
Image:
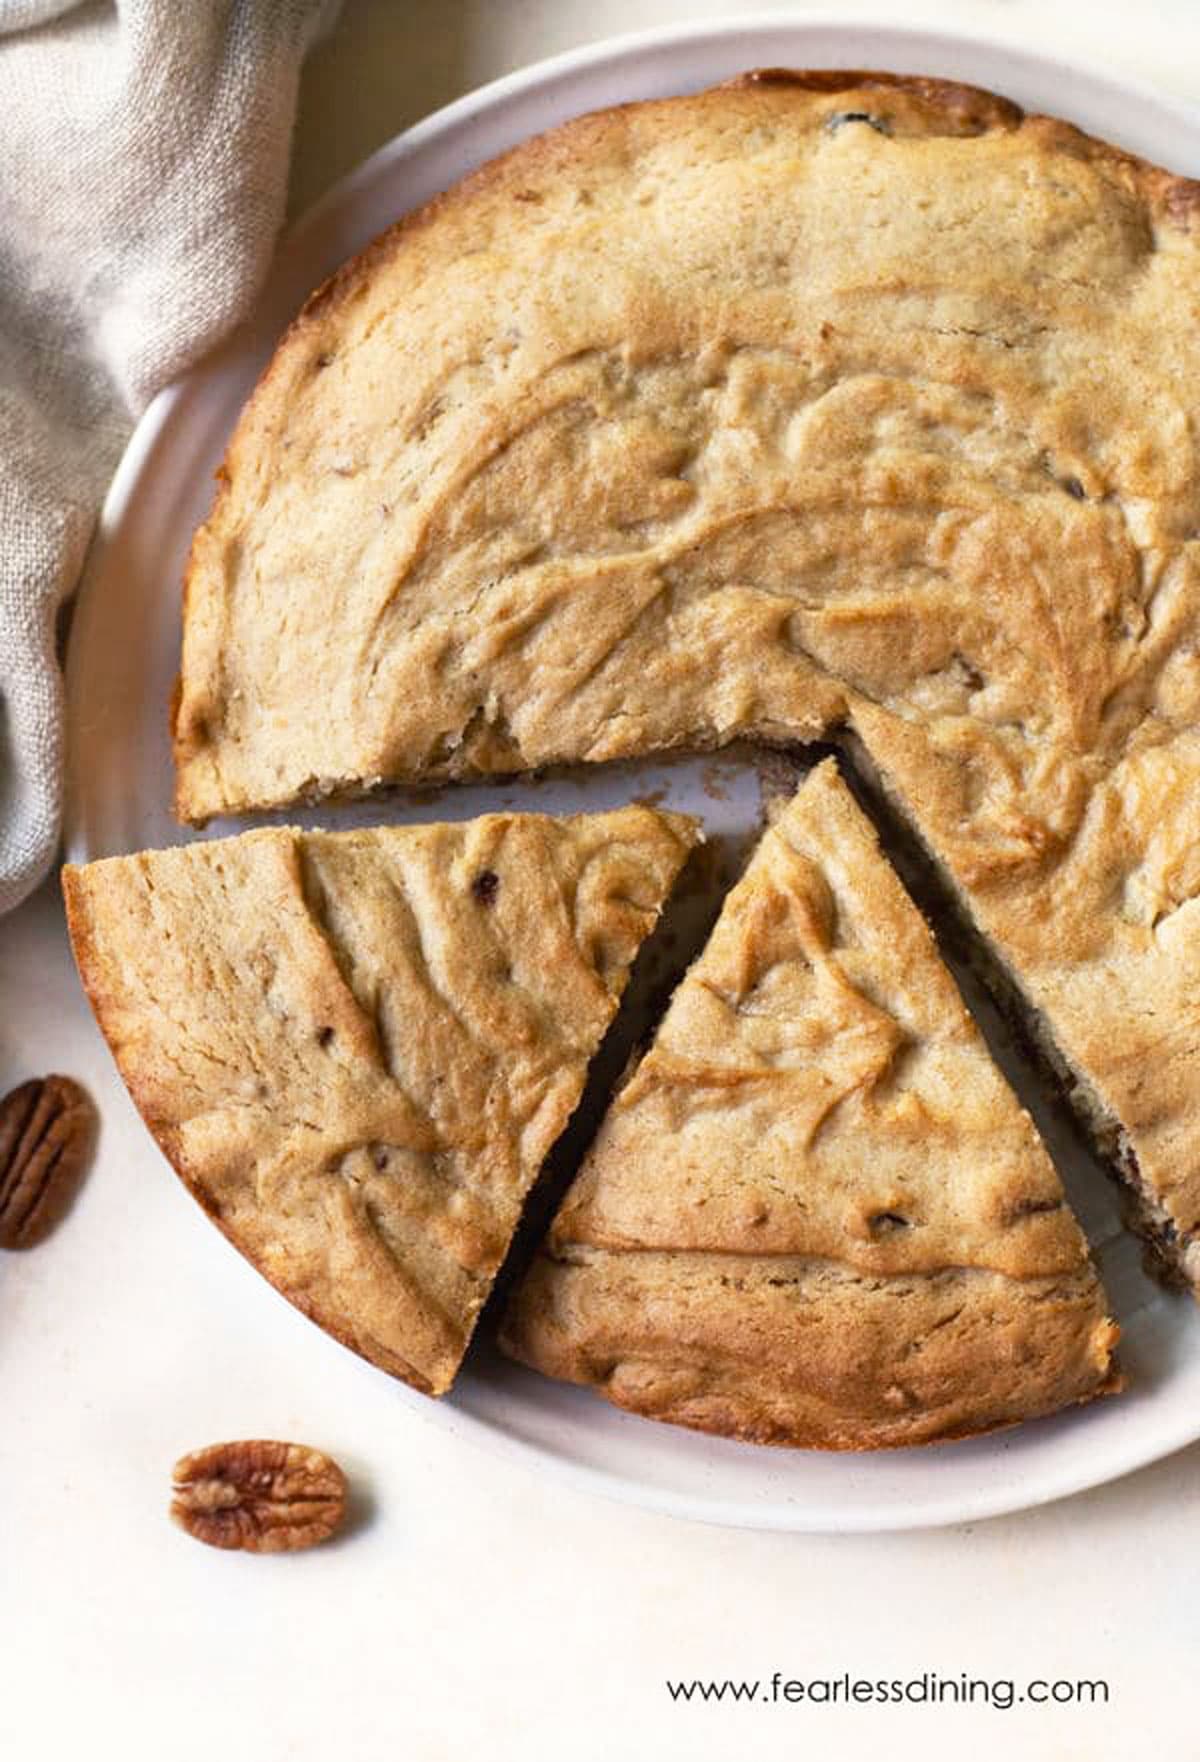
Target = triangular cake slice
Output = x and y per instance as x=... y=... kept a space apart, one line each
x=816 y=1214
x=358 y=1047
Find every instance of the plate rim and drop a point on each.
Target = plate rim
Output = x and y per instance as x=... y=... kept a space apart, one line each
x=603 y=59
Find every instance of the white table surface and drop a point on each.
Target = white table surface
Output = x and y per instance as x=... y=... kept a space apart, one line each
x=477 y=1609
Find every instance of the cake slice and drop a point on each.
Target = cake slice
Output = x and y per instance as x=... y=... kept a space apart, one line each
x=816 y=1214
x=358 y=1047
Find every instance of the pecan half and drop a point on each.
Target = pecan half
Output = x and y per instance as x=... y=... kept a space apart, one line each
x=268 y=1498
x=46 y=1130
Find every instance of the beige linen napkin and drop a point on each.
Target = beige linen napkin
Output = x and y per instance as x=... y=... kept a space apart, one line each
x=143 y=167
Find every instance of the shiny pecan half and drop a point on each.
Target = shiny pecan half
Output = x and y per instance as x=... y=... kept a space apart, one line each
x=268 y=1498
x=46 y=1131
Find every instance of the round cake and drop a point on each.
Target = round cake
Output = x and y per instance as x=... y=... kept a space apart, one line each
x=827 y=405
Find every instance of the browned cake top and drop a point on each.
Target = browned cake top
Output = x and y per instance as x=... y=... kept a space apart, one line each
x=358 y=1047
x=816 y=1212
x=795 y=405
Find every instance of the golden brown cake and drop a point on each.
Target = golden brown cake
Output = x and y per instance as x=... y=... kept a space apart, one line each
x=357 y=1047
x=816 y=1214
x=817 y=402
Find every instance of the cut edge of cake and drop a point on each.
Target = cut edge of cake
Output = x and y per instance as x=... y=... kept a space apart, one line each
x=340 y=1280
x=805 y=1348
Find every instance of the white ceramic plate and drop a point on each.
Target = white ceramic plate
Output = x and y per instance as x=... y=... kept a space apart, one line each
x=123 y=659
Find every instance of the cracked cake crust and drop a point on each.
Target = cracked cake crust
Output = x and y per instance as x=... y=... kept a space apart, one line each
x=815 y=1214
x=357 y=1048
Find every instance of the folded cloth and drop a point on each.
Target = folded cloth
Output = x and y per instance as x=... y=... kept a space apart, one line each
x=143 y=169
